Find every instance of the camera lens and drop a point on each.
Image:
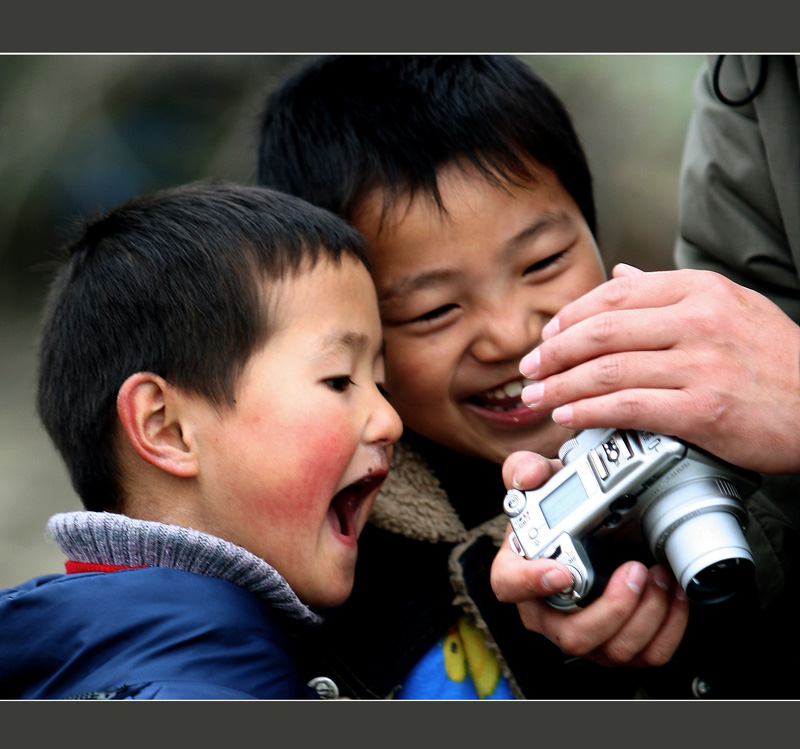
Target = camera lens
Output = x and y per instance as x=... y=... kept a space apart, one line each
x=702 y=539
x=720 y=581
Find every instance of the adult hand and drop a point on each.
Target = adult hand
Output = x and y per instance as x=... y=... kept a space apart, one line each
x=639 y=620
x=687 y=353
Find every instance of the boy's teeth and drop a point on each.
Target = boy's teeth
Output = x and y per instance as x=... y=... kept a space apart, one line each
x=509 y=390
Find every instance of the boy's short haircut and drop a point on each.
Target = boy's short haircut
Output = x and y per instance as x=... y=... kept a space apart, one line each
x=169 y=283
x=342 y=126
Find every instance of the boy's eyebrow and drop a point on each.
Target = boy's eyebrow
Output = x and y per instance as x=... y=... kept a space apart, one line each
x=546 y=220
x=347 y=340
x=409 y=284
x=428 y=279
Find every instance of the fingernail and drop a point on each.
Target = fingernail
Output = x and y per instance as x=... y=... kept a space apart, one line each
x=522 y=473
x=551 y=329
x=532 y=394
x=637 y=577
x=563 y=415
x=529 y=365
x=629 y=268
x=661 y=578
x=556 y=580
x=518 y=480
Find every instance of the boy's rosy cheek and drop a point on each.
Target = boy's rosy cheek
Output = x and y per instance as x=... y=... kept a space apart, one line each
x=326 y=452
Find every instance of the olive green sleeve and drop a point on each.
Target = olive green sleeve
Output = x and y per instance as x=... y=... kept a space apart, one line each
x=740 y=178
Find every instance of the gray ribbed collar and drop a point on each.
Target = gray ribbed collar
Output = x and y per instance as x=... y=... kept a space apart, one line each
x=108 y=538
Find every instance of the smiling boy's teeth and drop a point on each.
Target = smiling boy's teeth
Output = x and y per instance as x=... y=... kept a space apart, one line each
x=509 y=390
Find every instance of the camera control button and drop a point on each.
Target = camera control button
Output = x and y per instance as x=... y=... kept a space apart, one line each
x=514 y=503
x=598 y=465
x=623 y=504
x=571 y=592
x=533 y=532
x=625 y=448
x=612 y=451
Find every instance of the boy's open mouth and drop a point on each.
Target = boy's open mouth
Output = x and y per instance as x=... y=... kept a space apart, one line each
x=503 y=398
x=345 y=508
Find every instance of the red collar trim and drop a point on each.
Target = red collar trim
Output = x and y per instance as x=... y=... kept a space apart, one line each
x=74 y=567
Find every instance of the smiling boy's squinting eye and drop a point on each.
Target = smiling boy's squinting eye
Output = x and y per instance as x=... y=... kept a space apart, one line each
x=339 y=384
x=435 y=313
x=544 y=264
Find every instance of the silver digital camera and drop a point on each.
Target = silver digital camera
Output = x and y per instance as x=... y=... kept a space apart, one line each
x=627 y=485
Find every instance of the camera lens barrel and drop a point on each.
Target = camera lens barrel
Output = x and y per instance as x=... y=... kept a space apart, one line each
x=719 y=572
x=698 y=528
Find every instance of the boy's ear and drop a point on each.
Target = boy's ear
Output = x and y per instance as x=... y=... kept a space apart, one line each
x=149 y=409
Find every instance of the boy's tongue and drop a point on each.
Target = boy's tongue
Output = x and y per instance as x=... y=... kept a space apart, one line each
x=341 y=511
x=344 y=507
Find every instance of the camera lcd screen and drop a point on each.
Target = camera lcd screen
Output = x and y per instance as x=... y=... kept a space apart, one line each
x=562 y=500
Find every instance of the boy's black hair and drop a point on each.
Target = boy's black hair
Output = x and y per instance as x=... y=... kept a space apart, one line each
x=344 y=125
x=168 y=283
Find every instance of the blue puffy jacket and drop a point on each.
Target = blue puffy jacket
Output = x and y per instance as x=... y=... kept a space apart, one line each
x=150 y=633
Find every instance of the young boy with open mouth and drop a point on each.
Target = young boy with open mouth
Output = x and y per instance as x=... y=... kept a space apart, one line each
x=211 y=370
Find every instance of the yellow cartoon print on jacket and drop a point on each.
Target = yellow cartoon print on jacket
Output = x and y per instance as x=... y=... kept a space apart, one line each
x=459 y=667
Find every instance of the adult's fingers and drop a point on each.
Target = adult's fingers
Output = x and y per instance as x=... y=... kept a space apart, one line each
x=606 y=332
x=629 y=288
x=659 y=370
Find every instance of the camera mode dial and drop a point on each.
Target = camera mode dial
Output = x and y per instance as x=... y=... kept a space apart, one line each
x=567 y=448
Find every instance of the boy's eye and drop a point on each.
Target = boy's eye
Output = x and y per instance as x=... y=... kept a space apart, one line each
x=544 y=264
x=339 y=384
x=435 y=313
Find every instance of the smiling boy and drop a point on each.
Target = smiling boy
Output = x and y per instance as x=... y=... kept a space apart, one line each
x=211 y=371
x=462 y=296
x=470 y=185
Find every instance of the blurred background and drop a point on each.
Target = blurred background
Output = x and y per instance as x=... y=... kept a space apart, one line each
x=82 y=133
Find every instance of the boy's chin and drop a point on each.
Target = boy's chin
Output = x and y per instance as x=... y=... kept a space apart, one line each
x=546 y=442
x=330 y=590
x=331 y=598
x=494 y=440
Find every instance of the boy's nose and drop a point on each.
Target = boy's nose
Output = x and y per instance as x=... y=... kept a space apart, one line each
x=507 y=332
x=385 y=426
